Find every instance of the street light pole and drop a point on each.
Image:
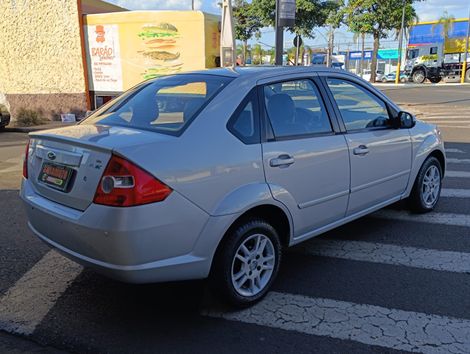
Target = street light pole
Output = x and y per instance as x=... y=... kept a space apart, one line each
x=279 y=36
x=465 y=55
x=400 y=44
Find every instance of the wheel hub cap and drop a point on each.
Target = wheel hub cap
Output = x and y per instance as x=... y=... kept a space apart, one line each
x=431 y=186
x=253 y=265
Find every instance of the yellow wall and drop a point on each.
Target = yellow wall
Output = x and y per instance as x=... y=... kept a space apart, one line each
x=126 y=48
x=40 y=47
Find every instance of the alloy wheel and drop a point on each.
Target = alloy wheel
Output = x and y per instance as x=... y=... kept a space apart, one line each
x=431 y=186
x=253 y=265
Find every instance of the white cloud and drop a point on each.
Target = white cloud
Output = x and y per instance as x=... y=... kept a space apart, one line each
x=430 y=10
x=157 y=4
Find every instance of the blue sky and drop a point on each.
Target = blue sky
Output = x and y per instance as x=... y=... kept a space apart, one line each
x=427 y=10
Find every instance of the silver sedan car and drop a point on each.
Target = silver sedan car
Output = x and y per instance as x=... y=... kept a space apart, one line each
x=212 y=173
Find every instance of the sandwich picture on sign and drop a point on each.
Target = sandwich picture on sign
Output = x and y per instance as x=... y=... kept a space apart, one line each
x=161 y=42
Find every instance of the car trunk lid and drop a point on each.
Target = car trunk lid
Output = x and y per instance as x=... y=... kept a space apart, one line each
x=65 y=165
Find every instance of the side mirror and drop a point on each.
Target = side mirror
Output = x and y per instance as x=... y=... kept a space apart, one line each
x=406 y=120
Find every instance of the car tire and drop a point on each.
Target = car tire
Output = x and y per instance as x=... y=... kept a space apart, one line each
x=419 y=76
x=427 y=187
x=403 y=80
x=384 y=80
x=435 y=80
x=242 y=283
x=467 y=76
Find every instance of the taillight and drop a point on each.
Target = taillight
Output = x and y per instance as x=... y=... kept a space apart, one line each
x=124 y=184
x=25 y=162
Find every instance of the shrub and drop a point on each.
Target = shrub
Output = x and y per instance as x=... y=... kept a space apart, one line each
x=28 y=117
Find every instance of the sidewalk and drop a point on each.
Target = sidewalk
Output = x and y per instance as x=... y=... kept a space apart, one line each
x=35 y=128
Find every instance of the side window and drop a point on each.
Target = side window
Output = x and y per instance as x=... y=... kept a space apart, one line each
x=433 y=50
x=244 y=123
x=295 y=108
x=359 y=108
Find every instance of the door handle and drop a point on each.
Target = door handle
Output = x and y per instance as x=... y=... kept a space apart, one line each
x=283 y=160
x=361 y=150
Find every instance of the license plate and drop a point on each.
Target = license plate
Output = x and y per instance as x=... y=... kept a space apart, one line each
x=56 y=176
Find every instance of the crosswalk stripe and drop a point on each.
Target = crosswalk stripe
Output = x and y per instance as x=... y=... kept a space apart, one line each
x=440 y=120
x=368 y=324
x=454 y=126
x=449 y=261
x=455 y=193
x=462 y=161
x=25 y=305
x=430 y=218
x=458 y=174
x=454 y=151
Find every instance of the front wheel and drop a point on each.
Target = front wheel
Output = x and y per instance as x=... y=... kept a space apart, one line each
x=419 y=76
x=427 y=188
x=435 y=80
x=247 y=264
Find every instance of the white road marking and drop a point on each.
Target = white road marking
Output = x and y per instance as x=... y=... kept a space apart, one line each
x=430 y=218
x=14 y=164
x=455 y=193
x=462 y=161
x=368 y=324
x=454 y=126
x=449 y=261
x=454 y=151
x=450 y=121
x=458 y=174
x=25 y=305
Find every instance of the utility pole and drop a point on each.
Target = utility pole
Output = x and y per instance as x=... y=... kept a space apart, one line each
x=285 y=17
x=227 y=38
x=465 y=55
x=192 y=5
x=279 y=36
x=400 y=44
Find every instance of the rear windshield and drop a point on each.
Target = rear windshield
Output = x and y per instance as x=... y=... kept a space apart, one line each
x=166 y=105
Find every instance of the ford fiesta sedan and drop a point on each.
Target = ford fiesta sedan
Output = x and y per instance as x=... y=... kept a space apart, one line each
x=212 y=173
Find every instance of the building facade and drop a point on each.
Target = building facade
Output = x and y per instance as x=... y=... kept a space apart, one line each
x=42 y=50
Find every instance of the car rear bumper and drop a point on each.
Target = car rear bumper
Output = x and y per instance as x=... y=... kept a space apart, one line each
x=149 y=243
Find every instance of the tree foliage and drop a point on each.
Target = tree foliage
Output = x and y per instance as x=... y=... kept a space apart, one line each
x=247 y=24
x=378 y=18
x=309 y=14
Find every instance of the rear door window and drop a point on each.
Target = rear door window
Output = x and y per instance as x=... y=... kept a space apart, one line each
x=295 y=108
x=166 y=105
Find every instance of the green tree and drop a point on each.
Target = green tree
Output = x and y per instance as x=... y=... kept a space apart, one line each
x=309 y=14
x=378 y=18
x=446 y=24
x=335 y=18
x=247 y=24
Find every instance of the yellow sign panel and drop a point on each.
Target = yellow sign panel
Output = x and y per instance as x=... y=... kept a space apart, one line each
x=126 y=48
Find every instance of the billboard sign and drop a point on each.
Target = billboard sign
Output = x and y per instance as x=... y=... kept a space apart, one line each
x=105 y=58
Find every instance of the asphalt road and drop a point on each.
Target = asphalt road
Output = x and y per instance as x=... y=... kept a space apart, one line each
x=386 y=283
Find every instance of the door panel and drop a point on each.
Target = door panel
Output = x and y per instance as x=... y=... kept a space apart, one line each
x=380 y=155
x=306 y=164
x=317 y=180
x=383 y=172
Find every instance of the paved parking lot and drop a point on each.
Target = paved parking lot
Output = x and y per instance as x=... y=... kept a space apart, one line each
x=388 y=282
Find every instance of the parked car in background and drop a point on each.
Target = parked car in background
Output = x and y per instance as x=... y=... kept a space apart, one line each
x=213 y=173
x=378 y=77
x=391 y=77
x=4 y=116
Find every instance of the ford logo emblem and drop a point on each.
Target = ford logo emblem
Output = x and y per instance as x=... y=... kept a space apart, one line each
x=51 y=155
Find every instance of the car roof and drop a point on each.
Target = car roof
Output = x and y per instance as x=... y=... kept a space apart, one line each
x=266 y=71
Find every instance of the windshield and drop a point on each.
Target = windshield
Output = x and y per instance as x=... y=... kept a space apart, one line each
x=166 y=105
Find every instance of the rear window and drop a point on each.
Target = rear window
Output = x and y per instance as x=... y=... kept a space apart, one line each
x=166 y=105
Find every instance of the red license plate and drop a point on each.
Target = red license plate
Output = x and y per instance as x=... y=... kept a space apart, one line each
x=56 y=176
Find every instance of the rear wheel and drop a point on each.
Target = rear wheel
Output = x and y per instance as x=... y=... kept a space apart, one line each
x=384 y=80
x=247 y=264
x=435 y=80
x=419 y=76
x=467 y=76
x=403 y=80
x=427 y=188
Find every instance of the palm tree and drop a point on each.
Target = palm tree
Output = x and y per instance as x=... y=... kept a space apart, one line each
x=446 y=22
x=356 y=39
